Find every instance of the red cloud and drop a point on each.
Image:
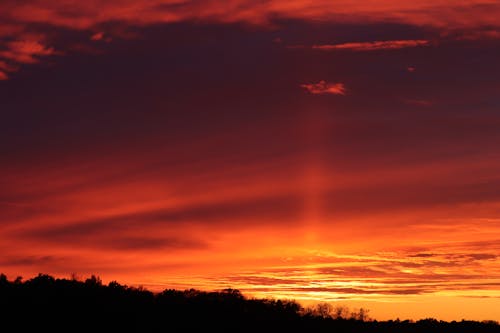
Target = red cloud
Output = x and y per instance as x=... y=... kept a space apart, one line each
x=373 y=46
x=97 y=36
x=21 y=17
x=6 y=67
x=322 y=87
x=25 y=51
x=88 y=14
x=3 y=76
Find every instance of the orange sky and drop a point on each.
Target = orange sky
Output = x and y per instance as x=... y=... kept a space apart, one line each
x=342 y=152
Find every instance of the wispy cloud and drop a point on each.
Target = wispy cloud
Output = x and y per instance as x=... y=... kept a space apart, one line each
x=382 y=273
x=373 y=46
x=323 y=87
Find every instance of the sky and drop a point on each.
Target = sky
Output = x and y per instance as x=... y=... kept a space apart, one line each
x=340 y=151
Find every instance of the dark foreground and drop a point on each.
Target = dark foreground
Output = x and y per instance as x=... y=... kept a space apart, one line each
x=45 y=304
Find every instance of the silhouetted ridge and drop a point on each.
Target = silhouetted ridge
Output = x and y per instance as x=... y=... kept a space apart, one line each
x=46 y=304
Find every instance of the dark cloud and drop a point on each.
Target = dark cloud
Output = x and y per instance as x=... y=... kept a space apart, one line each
x=350 y=271
x=150 y=243
x=357 y=291
x=30 y=260
x=480 y=256
x=238 y=213
x=422 y=255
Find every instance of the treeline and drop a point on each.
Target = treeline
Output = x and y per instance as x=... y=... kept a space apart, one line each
x=45 y=303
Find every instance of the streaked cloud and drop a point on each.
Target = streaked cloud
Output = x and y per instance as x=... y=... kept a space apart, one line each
x=323 y=87
x=384 y=273
x=373 y=46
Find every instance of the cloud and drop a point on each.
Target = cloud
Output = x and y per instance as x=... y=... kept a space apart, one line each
x=21 y=17
x=83 y=15
x=5 y=68
x=418 y=102
x=100 y=36
x=152 y=243
x=481 y=256
x=472 y=35
x=29 y=260
x=97 y=36
x=115 y=237
x=271 y=206
x=382 y=273
x=26 y=51
x=373 y=46
x=344 y=290
x=322 y=87
x=422 y=255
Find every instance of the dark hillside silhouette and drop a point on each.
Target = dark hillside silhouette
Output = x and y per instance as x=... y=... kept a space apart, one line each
x=46 y=304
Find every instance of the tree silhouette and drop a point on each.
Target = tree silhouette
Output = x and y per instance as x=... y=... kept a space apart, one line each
x=45 y=303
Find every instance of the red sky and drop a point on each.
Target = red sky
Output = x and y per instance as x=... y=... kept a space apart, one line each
x=342 y=152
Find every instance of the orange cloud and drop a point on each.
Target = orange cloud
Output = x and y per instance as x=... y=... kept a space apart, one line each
x=246 y=225
x=322 y=87
x=373 y=46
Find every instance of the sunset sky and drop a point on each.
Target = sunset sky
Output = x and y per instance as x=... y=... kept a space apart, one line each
x=344 y=151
